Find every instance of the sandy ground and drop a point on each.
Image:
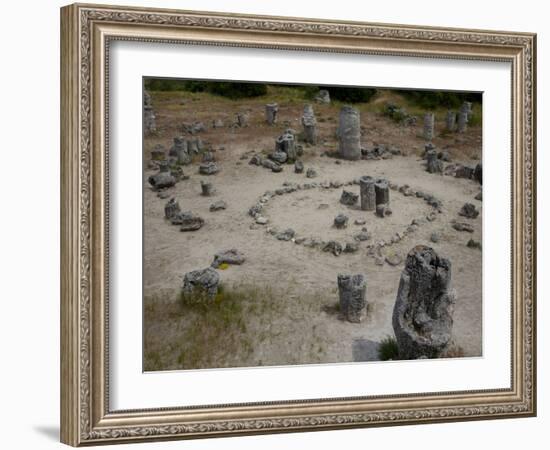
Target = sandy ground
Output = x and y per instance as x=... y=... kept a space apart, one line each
x=306 y=273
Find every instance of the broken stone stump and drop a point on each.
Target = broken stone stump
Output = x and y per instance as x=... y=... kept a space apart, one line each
x=208 y=168
x=311 y=173
x=201 y=283
x=468 y=210
x=162 y=180
x=207 y=189
x=231 y=257
x=433 y=163
x=462 y=122
x=271 y=110
x=190 y=222
x=423 y=312
x=242 y=119
x=478 y=173
x=462 y=226
x=429 y=121
x=341 y=221
x=382 y=192
x=299 y=167
x=368 y=194
x=218 y=206
x=286 y=143
x=349 y=133
x=352 y=290
x=171 y=208
x=383 y=210
x=348 y=198
x=450 y=121
x=309 y=124
x=323 y=96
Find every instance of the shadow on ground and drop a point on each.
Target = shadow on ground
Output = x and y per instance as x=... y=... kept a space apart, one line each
x=365 y=350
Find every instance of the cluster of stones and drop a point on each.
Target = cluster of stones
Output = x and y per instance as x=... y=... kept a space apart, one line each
x=374 y=196
x=185 y=219
x=399 y=114
x=149 y=118
x=467 y=172
x=286 y=151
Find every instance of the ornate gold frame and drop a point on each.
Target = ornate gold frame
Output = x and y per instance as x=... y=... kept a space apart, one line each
x=86 y=31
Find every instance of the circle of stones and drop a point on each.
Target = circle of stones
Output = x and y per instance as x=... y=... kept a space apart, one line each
x=332 y=246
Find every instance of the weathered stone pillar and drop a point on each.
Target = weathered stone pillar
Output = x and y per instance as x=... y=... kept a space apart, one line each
x=368 y=195
x=433 y=164
x=462 y=125
x=182 y=154
x=349 y=133
x=171 y=208
x=310 y=125
x=450 y=121
x=287 y=144
x=201 y=282
x=423 y=312
x=467 y=108
x=271 y=110
x=429 y=121
x=382 y=191
x=207 y=189
x=352 y=291
x=242 y=119
x=323 y=96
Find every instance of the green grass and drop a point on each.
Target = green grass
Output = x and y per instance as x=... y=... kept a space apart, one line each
x=388 y=349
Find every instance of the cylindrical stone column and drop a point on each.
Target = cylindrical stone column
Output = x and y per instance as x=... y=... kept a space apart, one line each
x=352 y=291
x=349 y=133
x=164 y=166
x=207 y=189
x=242 y=119
x=382 y=192
x=287 y=144
x=433 y=164
x=171 y=208
x=462 y=122
x=310 y=125
x=429 y=121
x=271 y=110
x=450 y=121
x=368 y=195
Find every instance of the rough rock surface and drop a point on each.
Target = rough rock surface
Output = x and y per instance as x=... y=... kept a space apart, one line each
x=218 y=205
x=349 y=133
x=162 y=180
x=368 y=193
x=469 y=210
x=429 y=121
x=171 y=208
x=348 y=198
x=231 y=256
x=352 y=290
x=341 y=221
x=433 y=164
x=299 y=166
x=333 y=247
x=208 y=168
x=204 y=281
x=190 y=222
x=323 y=96
x=311 y=173
x=423 y=312
x=271 y=110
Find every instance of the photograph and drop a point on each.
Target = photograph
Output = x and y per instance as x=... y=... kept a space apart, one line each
x=288 y=224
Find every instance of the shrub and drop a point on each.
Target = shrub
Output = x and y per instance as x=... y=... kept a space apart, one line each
x=237 y=90
x=438 y=99
x=350 y=94
x=388 y=349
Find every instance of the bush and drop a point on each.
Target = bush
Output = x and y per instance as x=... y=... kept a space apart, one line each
x=237 y=90
x=438 y=99
x=388 y=349
x=350 y=94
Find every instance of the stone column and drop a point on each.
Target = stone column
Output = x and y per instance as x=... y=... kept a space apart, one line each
x=149 y=118
x=352 y=291
x=462 y=122
x=429 y=120
x=171 y=208
x=423 y=312
x=310 y=125
x=271 y=110
x=242 y=119
x=349 y=133
x=287 y=144
x=450 y=121
x=433 y=164
x=182 y=153
x=382 y=192
x=207 y=189
x=467 y=108
x=368 y=195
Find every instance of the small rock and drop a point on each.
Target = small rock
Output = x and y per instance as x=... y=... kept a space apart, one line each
x=334 y=247
x=383 y=210
x=218 y=205
x=261 y=220
x=351 y=247
x=191 y=222
x=469 y=210
x=360 y=221
x=394 y=260
x=461 y=226
x=435 y=238
x=279 y=157
x=311 y=173
x=208 y=168
x=286 y=235
x=323 y=206
x=341 y=221
x=298 y=166
x=379 y=261
x=474 y=244
x=362 y=236
x=205 y=280
x=163 y=195
x=348 y=198
x=232 y=256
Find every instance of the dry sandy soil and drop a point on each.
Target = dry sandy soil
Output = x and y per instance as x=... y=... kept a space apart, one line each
x=302 y=326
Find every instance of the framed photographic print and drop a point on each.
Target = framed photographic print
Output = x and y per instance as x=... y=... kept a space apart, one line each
x=276 y=224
